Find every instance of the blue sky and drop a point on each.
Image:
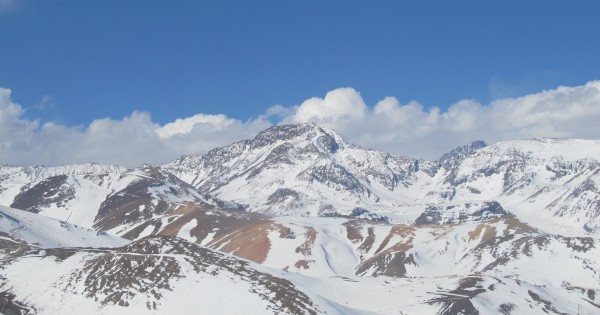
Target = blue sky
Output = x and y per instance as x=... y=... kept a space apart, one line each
x=94 y=59
x=129 y=82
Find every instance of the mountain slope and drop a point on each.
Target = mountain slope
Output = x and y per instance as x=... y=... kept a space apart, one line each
x=49 y=267
x=48 y=233
x=100 y=197
x=550 y=183
x=496 y=264
x=312 y=266
x=158 y=275
x=305 y=170
x=318 y=225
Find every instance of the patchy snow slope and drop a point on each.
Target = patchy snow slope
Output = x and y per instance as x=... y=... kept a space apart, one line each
x=50 y=233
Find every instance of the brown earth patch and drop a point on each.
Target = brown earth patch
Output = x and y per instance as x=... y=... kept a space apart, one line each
x=392 y=261
x=438 y=231
x=403 y=231
x=306 y=247
x=241 y=234
x=401 y=247
x=366 y=246
x=302 y=263
x=187 y=213
x=517 y=226
x=489 y=232
x=250 y=241
x=353 y=231
x=135 y=232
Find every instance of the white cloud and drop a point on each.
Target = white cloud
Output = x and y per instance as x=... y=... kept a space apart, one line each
x=409 y=129
x=339 y=105
x=130 y=141
x=412 y=129
x=183 y=126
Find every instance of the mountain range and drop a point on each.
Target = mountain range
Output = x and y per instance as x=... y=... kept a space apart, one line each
x=297 y=220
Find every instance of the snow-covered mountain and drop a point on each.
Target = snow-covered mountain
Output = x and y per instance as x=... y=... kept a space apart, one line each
x=48 y=233
x=307 y=266
x=306 y=170
x=302 y=170
x=484 y=229
x=552 y=184
x=156 y=274
x=101 y=197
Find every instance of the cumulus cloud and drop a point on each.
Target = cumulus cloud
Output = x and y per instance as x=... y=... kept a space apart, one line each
x=389 y=125
x=130 y=141
x=343 y=104
x=412 y=129
x=183 y=126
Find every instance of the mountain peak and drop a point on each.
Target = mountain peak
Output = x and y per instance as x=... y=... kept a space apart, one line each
x=465 y=149
x=459 y=153
x=330 y=139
